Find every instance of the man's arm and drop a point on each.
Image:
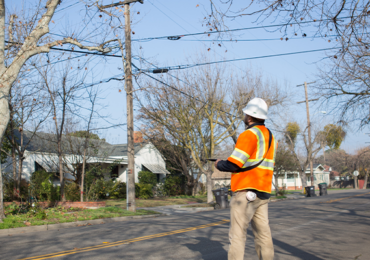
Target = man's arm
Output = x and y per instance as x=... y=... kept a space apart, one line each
x=226 y=166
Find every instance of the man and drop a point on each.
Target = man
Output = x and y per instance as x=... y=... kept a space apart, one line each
x=252 y=164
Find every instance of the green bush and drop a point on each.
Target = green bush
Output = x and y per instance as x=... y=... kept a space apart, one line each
x=174 y=185
x=147 y=178
x=118 y=191
x=100 y=188
x=143 y=191
x=72 y=191
x=42 y=188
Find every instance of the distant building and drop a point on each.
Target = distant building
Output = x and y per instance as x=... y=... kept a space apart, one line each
x=41 y=154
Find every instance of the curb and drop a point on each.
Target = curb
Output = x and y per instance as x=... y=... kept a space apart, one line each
x=21 y=230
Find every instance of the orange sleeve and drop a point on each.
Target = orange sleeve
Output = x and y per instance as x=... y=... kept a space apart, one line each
x=245 y=147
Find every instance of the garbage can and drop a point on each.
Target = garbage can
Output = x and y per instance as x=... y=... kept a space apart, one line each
x=323 y=189
x=221 y=196
x=310 y=191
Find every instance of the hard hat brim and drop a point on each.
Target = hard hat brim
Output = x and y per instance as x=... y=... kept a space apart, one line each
x=245 y=111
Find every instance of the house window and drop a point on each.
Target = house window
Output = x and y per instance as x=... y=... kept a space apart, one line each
x=114 y=172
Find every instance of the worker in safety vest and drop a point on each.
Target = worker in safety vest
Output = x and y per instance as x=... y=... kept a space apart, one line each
x=252 y=164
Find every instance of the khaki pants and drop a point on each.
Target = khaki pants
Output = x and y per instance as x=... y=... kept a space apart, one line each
x=243 y=212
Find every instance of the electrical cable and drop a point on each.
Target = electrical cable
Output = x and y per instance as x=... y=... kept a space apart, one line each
x=186 y=66
x=179 y=36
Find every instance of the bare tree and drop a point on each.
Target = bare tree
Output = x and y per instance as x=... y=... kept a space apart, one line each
x=15 y=52
x=343 y=84
x=311 y=147
x=201 y=110
x=285 y=162
x=64 y=91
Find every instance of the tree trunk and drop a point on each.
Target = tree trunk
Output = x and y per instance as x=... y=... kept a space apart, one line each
x=14 y=163
x=365 y=181
x=83 y=176
x=61 y=174
x=4 y=120
x=276 y=183
x=303 y=180
x=20 y=169
x=209 y=187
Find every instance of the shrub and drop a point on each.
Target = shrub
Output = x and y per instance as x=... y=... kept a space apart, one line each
x=174 y=185
x=147 y=178
x=118 y=191
x=72 y=191
x=143 y=191
x=281 y=192
x=42 y=188
x=100 y=188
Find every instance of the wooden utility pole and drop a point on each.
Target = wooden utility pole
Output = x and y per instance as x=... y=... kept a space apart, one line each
x=310 y=144
x=309 y=132
x=130 y=175
x=130 y=182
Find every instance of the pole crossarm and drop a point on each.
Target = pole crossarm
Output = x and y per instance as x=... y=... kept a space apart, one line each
x=306 y=84
x=121 y=3
x=315 y=99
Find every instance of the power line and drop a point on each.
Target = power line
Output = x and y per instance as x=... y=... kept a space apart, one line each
x=66 y=7
x=187 y=66
x=179 y=36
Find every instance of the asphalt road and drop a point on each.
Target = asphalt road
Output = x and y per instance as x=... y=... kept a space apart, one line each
x=336 y=226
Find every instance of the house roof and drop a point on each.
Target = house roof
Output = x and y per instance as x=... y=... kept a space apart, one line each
x=47 y=143
x=334 y=173
x=217 y=175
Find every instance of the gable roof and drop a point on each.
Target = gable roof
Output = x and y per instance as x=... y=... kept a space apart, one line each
x=47 y=143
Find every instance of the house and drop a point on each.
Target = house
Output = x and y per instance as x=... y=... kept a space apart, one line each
x=292 y=180
x=220 y=179
x=41 y=153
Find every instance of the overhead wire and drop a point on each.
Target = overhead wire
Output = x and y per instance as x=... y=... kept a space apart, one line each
x=179 y=36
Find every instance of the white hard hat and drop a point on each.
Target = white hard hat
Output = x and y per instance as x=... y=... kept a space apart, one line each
x=257 y=108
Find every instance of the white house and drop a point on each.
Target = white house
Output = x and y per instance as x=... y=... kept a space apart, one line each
x=41 y=153
x=292 y=180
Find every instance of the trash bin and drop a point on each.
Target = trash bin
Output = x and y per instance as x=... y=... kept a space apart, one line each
x=221 y=196
x=310 y=191
x=323 y=189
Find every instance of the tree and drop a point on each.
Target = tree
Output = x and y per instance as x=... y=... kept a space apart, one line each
x=15 y=52
x=191 y=122
x=63 y=88
x=285 y=162
x=202 y=110
x=312 y=147
x=85 y=134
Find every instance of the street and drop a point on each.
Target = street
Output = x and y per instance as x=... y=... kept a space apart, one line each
x=336 y=226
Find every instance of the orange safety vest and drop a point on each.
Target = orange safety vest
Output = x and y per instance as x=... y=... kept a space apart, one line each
x=251 y=147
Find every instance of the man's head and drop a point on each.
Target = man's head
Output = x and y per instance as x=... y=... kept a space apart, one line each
x=248 y=120
x=255 y=111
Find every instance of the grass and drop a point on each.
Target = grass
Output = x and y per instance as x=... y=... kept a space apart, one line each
x=160 y=201
x=61 y=215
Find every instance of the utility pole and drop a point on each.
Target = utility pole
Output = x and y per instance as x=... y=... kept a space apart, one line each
x=310 y=144
x=130 y=172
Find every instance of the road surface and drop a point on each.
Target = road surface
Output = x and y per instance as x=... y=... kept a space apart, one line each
x=336 y=226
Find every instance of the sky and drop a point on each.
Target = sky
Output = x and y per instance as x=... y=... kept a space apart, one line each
x=176 y=17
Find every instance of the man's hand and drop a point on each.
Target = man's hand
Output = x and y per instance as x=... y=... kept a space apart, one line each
x=217 y=162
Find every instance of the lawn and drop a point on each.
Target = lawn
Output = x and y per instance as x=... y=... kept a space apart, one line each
x=160 y=201
x=37 y=217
